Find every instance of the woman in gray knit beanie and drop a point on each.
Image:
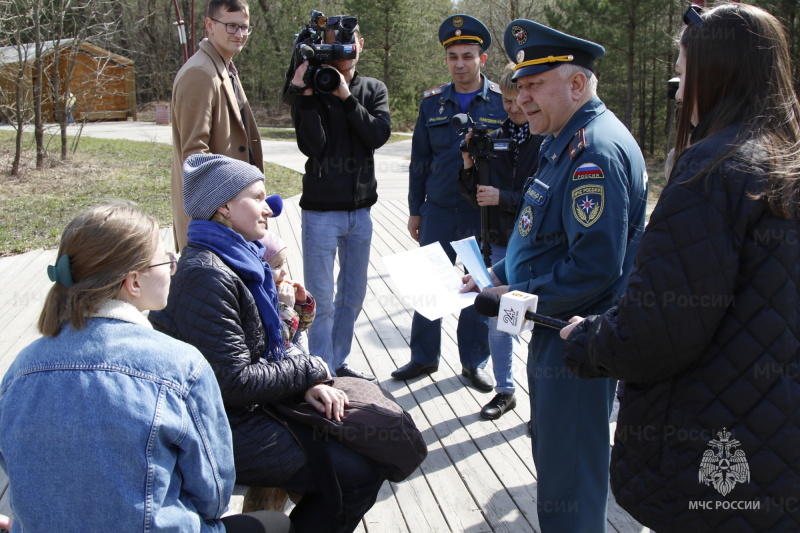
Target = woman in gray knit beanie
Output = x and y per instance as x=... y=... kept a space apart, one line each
x=223 y=301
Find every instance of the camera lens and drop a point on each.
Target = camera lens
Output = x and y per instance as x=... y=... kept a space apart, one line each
x=326 y=80
x=481 y=144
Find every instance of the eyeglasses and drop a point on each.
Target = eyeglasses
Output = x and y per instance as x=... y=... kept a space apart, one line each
x=232 y=28
x=692 y=16
x=173 y=263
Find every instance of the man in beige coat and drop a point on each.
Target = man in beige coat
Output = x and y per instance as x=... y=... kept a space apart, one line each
x=210 y=113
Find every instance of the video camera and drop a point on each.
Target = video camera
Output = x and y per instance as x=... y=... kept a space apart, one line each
x=308 y=46
x=480 y=145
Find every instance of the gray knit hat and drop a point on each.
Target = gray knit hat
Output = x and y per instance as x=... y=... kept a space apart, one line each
x=210 y=180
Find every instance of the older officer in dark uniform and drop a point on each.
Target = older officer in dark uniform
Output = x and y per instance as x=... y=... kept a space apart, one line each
x=578 y=227
x=438 y=212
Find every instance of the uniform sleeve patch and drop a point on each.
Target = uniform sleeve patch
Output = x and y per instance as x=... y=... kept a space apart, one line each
x=525 y=223
x=587 y=203
x=588 y=171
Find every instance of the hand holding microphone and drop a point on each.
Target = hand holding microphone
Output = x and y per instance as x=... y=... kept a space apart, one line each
x=275 y=203
x=515 y=311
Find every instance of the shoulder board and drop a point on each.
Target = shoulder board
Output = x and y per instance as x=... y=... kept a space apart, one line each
x=495 y=88
x=577 y=144
x=434 y=91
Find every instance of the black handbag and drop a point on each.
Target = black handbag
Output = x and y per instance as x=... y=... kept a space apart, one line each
x=373 y=425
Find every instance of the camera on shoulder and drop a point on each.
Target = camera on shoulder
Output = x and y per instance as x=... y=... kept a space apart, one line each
x=309 y=45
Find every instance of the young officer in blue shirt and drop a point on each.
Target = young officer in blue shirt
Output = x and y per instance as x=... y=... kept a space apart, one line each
x=578 y=227
x=437 y=210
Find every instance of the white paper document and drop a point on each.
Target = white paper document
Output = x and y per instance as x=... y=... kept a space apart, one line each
x=470 y=254
x=427 y=281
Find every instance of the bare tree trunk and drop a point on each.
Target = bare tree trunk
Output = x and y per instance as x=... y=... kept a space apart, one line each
x=16 y=21
x=387 y=52
x=38 y=74
x=20 y=94
x=630 y=66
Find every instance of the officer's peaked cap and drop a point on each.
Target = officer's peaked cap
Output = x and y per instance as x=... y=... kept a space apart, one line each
x=463 y=29
x=536 y=48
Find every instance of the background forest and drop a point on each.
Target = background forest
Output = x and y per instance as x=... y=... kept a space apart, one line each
x=401 y=45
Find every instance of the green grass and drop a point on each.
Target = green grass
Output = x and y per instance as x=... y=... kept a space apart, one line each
x=287 y=134
x=35 y=206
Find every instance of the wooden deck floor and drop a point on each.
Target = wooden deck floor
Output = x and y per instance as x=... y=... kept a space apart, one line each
x=479 y=475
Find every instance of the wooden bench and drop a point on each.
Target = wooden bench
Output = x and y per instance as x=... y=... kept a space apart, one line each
x=247 y=499
x=97 y=116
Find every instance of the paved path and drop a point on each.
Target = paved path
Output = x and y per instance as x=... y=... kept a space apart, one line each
x=391 y=161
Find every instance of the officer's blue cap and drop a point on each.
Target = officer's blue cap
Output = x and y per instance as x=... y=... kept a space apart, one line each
x=463 y=29
x=536 y=48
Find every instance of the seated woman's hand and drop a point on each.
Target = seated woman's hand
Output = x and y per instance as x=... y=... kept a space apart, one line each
x=327 y=400
x=286 y=293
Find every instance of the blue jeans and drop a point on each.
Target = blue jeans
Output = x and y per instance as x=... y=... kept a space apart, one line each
x=324 y=234
x=444 y=225
x=501 y=344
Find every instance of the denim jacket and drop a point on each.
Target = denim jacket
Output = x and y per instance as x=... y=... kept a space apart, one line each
x=114 y=427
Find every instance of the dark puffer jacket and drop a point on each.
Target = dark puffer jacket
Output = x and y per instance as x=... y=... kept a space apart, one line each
x=210 y=308
x=707 y=339
x=340 y=138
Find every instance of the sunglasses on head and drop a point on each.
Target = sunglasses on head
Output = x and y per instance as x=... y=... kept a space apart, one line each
x=692 y=16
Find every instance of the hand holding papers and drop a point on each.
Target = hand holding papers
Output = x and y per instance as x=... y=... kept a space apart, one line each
x=427 y=281
x=467 y=249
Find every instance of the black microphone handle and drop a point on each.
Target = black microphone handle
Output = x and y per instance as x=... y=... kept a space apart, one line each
x=545 y=320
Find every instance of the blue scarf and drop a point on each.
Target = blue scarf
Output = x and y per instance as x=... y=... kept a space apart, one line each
x=245 y=259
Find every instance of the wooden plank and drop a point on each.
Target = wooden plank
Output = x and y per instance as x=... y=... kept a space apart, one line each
x=413 y=496
x=13 y=268
x=101 y=115
x=5 y=499
x=19 y=315
x=9 y=262
x=24 y=285
x=449 y=489
x=479 y=475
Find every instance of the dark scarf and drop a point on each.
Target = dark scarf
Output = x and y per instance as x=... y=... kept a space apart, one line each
x=244 y=258
x=519 y=134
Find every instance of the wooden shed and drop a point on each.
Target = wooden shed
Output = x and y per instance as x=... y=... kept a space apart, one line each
x=101 y=81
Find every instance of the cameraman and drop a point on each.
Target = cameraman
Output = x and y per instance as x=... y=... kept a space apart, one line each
x=339 y=133
x=508 y=172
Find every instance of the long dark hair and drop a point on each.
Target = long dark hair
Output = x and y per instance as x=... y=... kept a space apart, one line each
x=738 y=73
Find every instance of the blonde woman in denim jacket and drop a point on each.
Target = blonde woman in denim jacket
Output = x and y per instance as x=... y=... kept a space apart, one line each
x=106 y=424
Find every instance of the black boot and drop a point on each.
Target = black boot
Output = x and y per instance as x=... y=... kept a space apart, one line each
x=499 y=405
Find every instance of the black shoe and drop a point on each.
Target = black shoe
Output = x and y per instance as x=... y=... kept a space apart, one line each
x=499 y=405
x=480 y=379
x=412 y=370
x=347 y=372
x=530 y=429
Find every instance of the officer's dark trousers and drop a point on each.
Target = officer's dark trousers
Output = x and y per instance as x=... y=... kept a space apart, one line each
x=445 y=225
x=571 y=441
